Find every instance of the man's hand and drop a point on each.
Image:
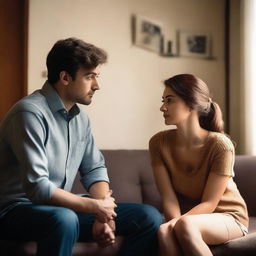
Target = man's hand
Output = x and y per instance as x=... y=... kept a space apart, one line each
x=105 y=208
x=104 y=233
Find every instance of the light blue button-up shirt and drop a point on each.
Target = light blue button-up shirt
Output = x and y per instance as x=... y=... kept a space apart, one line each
x=42 y=146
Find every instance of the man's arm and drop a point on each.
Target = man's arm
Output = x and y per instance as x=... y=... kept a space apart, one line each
x=99 y=190
x=103 y=208
x=103 y=233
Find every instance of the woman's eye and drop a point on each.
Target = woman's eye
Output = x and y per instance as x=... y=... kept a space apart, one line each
x=167 y=101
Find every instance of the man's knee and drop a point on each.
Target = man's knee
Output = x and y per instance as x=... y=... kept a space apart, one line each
x=64 y=220
x=150 y=215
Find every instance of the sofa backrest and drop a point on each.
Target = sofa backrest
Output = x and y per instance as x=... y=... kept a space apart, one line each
x=130 y=177
x=245 y=178
x=132 y=180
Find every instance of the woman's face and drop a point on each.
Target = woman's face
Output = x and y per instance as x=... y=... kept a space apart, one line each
x=175 y=110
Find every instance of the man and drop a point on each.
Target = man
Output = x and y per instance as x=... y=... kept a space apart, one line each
x=44 y=140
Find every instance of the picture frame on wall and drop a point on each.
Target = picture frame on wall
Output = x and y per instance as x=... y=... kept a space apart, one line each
x=194 y=44
x=147 y=33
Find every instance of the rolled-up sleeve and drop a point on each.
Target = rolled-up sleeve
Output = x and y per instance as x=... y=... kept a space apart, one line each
x=27 y=140
x=92 y=168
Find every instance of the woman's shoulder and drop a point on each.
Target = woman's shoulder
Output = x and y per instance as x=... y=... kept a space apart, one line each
x=220 y=141
x=158 y=144
x=161 y=136
x=164 y=134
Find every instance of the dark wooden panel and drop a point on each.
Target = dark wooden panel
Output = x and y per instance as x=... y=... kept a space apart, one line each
x=13 y=52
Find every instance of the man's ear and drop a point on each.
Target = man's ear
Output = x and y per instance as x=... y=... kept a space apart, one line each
x=64 y=77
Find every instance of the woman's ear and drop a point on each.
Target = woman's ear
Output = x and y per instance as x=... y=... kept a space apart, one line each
x=64 y=77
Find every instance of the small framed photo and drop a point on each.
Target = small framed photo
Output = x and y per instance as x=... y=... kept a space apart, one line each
x=194 y=44
x=147 y=33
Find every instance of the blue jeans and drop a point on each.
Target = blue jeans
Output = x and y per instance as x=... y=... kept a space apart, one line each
x=56 y=229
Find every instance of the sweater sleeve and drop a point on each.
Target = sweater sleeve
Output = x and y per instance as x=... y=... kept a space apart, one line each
x=222 y=161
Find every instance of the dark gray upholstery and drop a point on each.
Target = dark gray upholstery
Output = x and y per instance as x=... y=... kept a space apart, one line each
x=132 y=181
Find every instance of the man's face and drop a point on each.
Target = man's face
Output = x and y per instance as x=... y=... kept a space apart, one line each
x=83 y=87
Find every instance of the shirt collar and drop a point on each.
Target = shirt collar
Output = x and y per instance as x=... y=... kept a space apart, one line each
x=56 y=104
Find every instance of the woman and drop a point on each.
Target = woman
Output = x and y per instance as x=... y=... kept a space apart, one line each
x=193 y=170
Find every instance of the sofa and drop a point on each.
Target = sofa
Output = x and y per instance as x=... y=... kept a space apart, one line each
x=132 y=181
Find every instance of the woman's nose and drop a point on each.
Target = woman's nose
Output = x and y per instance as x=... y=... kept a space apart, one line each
x=163 y=108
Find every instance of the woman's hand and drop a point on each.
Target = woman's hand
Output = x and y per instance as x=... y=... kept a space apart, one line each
x=172 y=222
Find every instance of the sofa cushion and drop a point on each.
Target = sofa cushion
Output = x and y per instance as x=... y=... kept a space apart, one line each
x=237 y=247
x=19 y=248
x=252 y=225
x=245 y=178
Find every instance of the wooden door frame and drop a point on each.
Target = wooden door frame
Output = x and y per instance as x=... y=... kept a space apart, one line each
x=25 y=46
x=227 y=65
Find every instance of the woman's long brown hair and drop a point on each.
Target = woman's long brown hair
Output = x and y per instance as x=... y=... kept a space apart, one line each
x=196 y=95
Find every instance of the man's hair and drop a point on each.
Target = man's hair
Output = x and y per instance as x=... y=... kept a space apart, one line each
x=70 y=55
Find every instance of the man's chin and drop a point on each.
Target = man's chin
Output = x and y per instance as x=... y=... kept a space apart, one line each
x=85 y=102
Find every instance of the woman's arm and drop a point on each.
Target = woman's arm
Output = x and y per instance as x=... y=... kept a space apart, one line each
x=171 y=206
x=215 y=187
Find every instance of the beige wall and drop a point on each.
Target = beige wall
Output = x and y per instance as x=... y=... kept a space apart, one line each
x=125 y=112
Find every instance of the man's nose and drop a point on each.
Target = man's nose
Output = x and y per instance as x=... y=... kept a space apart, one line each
x=95 y=85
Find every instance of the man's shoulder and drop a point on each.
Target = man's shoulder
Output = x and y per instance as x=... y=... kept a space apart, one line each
x=34 y=102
